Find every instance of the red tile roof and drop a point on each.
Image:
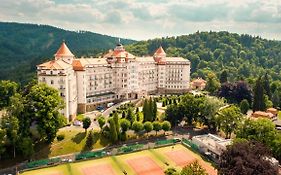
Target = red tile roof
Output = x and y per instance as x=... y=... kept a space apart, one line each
x=160 y=51
x=63 y=51
x=77 y=65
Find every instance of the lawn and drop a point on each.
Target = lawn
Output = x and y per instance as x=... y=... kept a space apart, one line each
x=74 y=141
x=152 y=161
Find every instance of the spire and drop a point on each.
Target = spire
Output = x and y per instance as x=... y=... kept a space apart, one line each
x=63 y=51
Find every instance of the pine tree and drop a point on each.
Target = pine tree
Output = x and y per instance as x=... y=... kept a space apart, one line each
x=275 y=99
x=266 y=85
x=259 y=100
x=150 y=110
x=113 y=133
x=117 y=123
x=223 y=77
x=123 y=114
x=145 y=110
x=154 y=110
x=130 y=115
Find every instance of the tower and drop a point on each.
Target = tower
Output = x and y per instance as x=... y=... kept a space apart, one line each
x=64 y=53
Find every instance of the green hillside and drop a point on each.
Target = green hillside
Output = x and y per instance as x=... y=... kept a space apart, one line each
x=22 y=46
x=243 y=56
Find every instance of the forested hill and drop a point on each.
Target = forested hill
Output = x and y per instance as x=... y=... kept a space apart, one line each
x=243 y=56
x=22 y=46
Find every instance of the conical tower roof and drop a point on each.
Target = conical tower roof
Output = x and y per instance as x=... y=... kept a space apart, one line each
x=160 y=52
x=63 y=51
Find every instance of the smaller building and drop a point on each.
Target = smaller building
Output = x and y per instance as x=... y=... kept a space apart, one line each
x=198 y=83
x=211 y=144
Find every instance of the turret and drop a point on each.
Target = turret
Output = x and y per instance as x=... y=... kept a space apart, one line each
x=64 y=53
x=160 y=55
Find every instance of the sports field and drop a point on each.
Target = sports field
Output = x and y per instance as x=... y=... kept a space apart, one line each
x=147 y=162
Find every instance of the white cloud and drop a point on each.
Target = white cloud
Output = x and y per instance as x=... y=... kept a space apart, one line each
x=142 y=19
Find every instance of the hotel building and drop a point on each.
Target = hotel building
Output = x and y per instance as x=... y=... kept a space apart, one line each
x=85 y=83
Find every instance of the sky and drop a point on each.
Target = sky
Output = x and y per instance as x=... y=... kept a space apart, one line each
x=148 y=19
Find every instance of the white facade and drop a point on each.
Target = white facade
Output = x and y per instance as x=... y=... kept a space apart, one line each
x=85 y=83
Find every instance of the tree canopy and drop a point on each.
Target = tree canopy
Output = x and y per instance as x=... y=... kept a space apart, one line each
x=246 y=158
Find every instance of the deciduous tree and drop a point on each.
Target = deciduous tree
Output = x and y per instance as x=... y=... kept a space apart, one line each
x=43 y=107
x=125 y=124
x=148 y=126
x=101 y=121
x=246 y=158
x=244 y=106
x=137 y=126
x=86 y=123
x=166 y=126
x=157 y=126
x=228 y=119
x=193 y=169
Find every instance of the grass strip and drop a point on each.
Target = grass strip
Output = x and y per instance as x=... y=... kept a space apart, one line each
x=69 y=169
x=119 y=165
x=159 y=156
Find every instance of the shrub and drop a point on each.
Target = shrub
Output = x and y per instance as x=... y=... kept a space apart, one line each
x=60 y=137
x=80 y=117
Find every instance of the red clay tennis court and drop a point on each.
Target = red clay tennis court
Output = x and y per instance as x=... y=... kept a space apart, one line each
x=180 y=157
x=145 y=166
x=102 y=169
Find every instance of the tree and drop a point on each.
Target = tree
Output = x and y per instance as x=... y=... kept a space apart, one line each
x=125 y=124
x=113 y=133
x=261 y=130
x=27 y=147
x=130 y=115
x=259 y=98
x=137 y=126
x=193 y=169
x=11 y=125
x=236 y=92
x=157 y=126
x=154 y=109
x=145 y=110
x=150 y=110
x=101 y=121
x=209 y=107
x=7 y=90
x=244 y=106
x=266 y=85
x=212 y=83
x=123 y=114
x=276 y=99
x=148 y=126
x=223 y=77
x=43 y=106
x=86 y=123
x=173 y=114
x=3 y=139
x=246 y=158
x=171 y=171
x=228 y=119
x=117 y=123
x=166 y=126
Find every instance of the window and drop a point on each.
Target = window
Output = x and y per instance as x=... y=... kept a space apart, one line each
x=52 y=81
